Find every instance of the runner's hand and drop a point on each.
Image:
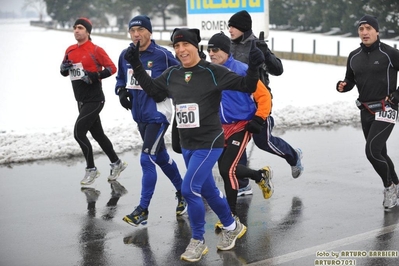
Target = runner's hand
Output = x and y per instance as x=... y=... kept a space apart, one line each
x=90 y=77
x=256 y=57
x=261 y=43
x=132 y=55
x=66 y=65
x=255 y=125
x=393 y=98
x=125 y=98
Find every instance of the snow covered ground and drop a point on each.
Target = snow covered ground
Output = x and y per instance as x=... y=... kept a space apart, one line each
x=38 y=109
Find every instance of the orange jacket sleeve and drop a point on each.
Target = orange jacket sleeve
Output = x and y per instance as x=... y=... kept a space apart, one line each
x=263 y=99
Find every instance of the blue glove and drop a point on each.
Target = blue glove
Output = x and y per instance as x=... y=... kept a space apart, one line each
x=90 y=77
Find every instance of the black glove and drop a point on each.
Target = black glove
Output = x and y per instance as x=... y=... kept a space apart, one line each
x=256 y=57
x=125 y=98
x=393 y=98
x=261 y=44
x=132 y=55
x=90 y=77
x=66 y=65
x=201 y=53
x=255 y=125
x=175 y=137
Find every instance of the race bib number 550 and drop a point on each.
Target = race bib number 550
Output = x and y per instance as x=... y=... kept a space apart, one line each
x=187 y=115
x=389 y=115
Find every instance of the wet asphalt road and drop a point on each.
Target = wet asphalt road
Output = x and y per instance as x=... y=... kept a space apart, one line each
x=331 y=214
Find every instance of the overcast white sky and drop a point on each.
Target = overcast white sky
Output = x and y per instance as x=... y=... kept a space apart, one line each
x=11 y=5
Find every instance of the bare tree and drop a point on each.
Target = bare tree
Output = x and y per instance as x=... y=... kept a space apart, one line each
x=38 y=5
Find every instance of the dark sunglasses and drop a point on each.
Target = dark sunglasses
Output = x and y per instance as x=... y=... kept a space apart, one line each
x=214 y=50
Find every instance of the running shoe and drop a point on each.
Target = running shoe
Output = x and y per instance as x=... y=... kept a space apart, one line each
x=116 y=169
x=90 y=175
x=390 y=197
x=297 y=169
x=245 y=191
x=194 y=251
x=219 y=225
x=265 y=184
x=228 y=238
x=181 y=204
x=137 y=217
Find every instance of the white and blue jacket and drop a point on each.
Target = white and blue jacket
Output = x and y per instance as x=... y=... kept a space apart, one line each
x=155 y=60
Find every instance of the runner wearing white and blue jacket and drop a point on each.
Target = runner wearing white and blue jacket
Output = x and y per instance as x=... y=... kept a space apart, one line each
x=152 y=118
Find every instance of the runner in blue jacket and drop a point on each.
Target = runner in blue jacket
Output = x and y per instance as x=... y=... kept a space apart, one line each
x=152 y=118
x=240 y=118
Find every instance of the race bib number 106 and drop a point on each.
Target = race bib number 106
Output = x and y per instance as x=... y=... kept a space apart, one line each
x=187 y=115
x=76 y=72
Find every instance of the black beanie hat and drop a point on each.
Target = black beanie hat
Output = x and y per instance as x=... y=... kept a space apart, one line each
x=241 y=21
x=220 y=40
x=85 y=22
x=186 y=35
x=142 y=21
x=372 y=21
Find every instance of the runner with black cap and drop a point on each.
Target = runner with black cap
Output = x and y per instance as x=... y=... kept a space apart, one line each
x=373 y=68
x=196 y=87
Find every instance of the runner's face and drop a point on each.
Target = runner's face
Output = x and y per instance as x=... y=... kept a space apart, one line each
x=187 y=54
x=367 y=34
x=80 y=33
x=138 y=33
x=217 y=56
x=235 y=33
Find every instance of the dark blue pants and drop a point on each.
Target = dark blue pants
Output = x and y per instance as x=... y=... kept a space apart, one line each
x=274 y=145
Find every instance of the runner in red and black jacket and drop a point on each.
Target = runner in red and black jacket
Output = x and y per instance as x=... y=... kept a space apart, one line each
x=87 y=64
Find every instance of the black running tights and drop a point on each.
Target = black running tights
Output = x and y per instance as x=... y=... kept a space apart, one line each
x=89 y=120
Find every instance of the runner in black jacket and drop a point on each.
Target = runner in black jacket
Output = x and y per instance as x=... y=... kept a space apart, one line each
x=373 y=68
x=196 y=89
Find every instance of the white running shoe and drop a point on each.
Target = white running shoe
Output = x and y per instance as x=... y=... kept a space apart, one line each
x=90 y=175
x=390 y=197
x=116 y=169
x=194 y=251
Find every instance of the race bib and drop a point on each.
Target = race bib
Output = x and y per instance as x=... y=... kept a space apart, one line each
x=187 y=115
x=76 y=72
x=389 y=115
x=132 y=83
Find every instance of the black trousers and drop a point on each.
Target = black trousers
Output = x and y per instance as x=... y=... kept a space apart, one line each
x=377 y=134
x=231 y=171
x=89 y=120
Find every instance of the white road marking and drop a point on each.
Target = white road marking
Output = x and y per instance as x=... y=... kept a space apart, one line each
x=327 y=246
